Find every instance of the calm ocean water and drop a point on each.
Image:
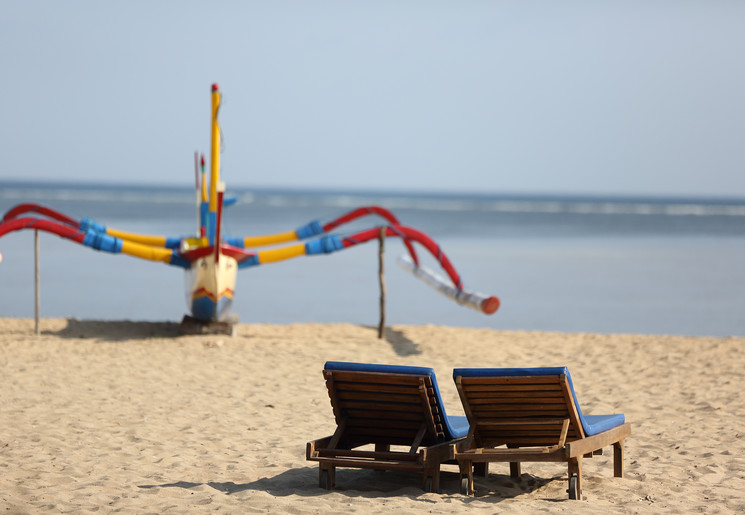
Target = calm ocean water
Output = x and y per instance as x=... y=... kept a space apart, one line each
x=573 y=264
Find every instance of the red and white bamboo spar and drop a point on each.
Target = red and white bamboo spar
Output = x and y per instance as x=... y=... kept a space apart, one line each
x=478 y=301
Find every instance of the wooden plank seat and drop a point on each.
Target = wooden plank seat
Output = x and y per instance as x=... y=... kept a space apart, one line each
x=383 y=406
x=531 y=414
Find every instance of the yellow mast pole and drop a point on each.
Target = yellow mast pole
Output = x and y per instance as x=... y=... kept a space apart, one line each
x=214 y=163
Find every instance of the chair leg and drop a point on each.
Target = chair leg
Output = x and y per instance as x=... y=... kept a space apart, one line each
x=432 y=480
x=323 y=478
x=618 y=459
x=381 y=447
x=575 y=470
x=515 y=469
x=514 y=465
x=326 y=476
x=481 y=469
x=466 y=478
x=471 y=489
x=332 y=476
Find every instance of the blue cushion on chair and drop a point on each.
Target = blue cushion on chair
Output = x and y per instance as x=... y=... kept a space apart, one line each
x=594 y=424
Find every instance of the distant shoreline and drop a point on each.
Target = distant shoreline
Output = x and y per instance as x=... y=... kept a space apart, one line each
x=392 y=192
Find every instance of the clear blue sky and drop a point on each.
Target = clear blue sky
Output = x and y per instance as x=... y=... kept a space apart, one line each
x=610 y=97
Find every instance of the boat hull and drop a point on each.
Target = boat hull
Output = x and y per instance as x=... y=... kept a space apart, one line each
x=210 y=285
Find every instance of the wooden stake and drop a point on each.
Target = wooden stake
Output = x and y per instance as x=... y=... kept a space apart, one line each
x=381 y=278
x=36 y=282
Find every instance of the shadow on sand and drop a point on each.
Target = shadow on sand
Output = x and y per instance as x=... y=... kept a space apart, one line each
x=303 y=481
x=123 y=330
x=400 y=343
x=115 y=330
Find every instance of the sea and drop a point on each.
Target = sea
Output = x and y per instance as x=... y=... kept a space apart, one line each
x=587 y=264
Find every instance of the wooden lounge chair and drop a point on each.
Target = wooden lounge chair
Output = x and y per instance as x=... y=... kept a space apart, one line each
x=382 y=406
x=534 y=414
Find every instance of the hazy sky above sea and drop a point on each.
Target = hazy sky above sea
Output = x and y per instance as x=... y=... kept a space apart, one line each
x=607 y=97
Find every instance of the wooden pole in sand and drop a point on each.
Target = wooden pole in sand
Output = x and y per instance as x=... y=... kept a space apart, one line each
x=381 y=278
x=36 y=283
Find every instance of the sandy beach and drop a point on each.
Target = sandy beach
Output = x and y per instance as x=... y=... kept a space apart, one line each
x=133 y=417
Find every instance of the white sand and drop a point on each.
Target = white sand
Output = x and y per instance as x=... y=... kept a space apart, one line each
x=133 y=417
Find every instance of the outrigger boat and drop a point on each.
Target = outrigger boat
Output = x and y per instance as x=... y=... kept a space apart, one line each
x=212 y=260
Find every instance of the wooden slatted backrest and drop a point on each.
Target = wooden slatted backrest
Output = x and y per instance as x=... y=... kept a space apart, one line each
x=384 y=408
x=519 y=411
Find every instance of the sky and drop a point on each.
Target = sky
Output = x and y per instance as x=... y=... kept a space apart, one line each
x=618 y=97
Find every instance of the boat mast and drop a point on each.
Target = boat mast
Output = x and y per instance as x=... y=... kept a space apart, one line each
x=214 y=165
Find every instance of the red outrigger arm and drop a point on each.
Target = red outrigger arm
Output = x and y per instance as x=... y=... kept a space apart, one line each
x=70 y=232
x=45 y=211
x=406 y=234
x=480 y=302
x=371 y=210
x=360 y=212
